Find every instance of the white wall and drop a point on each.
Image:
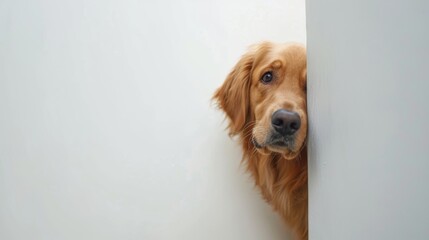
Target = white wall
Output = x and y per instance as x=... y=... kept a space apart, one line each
x=106 y=127
x=368 y=92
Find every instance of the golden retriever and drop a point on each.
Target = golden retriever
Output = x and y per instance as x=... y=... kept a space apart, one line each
x=264 y=98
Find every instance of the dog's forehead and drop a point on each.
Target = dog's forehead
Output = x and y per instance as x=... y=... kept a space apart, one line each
x=290 y=52
x=287 y=54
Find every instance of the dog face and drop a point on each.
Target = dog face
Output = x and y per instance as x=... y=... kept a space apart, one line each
x=264 y=98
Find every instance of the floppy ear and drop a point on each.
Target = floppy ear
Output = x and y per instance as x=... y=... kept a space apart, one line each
x=233 y=96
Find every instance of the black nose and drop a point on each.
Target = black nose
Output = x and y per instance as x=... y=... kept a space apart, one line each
x=285 y=122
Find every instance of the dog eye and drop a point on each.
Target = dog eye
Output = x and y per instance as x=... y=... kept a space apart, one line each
x=267 y=77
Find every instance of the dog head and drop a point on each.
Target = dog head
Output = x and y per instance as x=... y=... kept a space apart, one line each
x=264 y=98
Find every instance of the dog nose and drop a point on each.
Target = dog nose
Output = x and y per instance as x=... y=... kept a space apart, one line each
x=285 y=122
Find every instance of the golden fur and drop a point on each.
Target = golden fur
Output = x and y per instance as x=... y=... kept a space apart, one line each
x=279 y=172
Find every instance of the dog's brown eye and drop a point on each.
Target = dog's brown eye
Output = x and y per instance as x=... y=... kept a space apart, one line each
x=267 y=77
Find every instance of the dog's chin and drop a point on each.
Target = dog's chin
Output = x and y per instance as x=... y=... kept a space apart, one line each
x=285 y=148
x=286 y=152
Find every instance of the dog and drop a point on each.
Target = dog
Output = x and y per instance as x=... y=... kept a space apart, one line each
x=264 y=99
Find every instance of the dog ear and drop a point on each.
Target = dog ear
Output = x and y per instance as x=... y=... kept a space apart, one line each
x=233 y=96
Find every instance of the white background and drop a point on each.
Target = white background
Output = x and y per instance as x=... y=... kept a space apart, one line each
x=368 y=98
x=106 y=125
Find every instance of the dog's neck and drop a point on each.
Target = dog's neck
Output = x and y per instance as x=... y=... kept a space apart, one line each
x=282 y=182
x=273 y=167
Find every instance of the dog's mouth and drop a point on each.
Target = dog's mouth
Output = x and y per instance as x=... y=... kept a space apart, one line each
x=282 y=142
x=276 y=140
x=284 y=145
